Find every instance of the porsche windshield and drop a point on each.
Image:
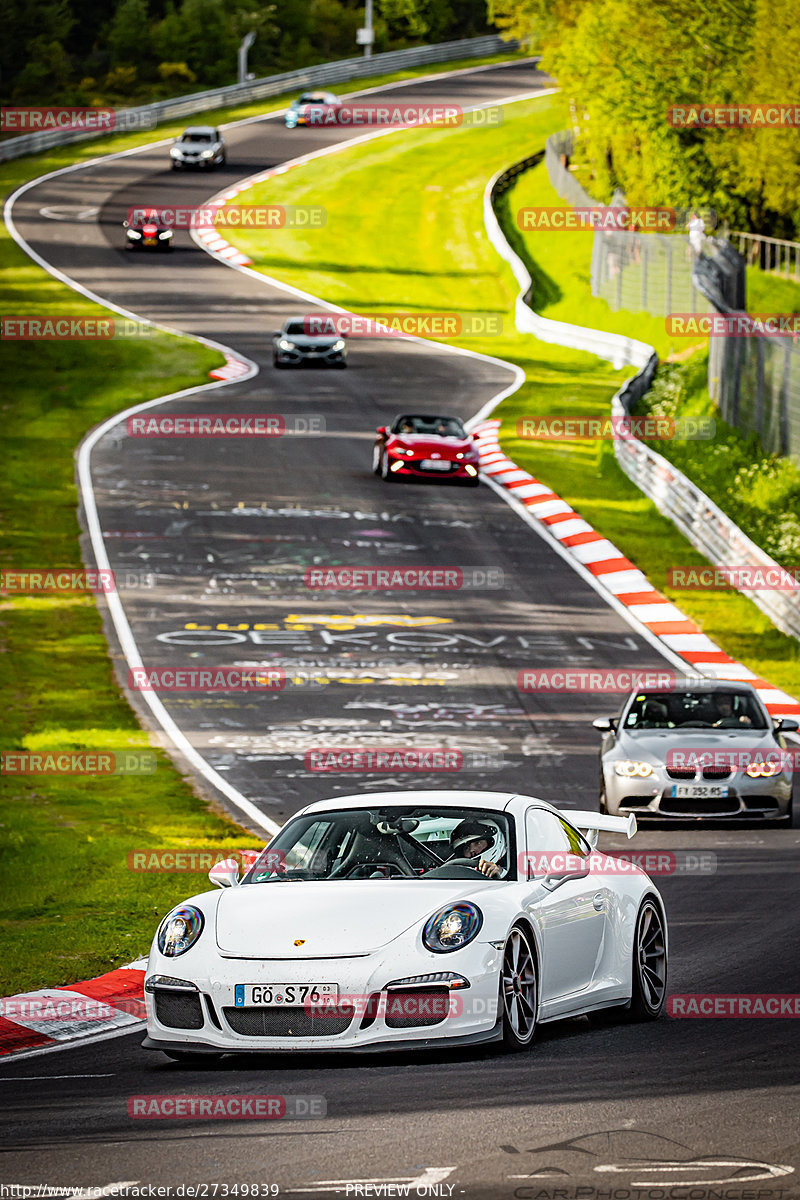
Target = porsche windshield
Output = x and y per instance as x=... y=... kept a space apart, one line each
x=699 y=710
x=393 y=843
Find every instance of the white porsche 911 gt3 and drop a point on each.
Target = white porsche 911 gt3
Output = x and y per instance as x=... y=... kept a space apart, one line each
x=411 y=919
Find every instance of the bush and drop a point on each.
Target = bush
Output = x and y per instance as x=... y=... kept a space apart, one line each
x=121 y=79
x=176 y=73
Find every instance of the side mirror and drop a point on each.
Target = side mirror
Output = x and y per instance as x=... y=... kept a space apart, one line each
x=604 y=724
x=382 y=429
x=787 y=725
x=225 y=874
x=124 y=224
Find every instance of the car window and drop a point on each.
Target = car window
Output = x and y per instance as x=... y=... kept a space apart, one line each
x=389 y=843
x=700 y=709
x=546 y=833
x=429 y=426
x=294 y=327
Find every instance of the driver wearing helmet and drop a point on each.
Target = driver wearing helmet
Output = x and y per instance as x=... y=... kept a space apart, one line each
x=469 y=839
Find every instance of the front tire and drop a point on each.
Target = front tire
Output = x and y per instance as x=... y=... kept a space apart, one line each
x=518 y=991
x=385 y=473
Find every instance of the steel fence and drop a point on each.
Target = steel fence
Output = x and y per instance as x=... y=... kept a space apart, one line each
x=147 y=116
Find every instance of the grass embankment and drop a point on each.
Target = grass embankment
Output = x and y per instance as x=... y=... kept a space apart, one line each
x=426 y=250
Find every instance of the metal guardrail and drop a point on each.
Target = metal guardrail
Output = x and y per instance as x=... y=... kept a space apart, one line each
x=147 y=116
x=775 y=256
x=698 y=518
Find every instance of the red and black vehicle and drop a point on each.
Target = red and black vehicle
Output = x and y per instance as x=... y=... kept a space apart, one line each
x=426 y=447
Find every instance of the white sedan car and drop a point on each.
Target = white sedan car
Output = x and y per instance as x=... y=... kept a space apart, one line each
x=418 y=918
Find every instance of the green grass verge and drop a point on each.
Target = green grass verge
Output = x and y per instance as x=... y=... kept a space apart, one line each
x=428 y=251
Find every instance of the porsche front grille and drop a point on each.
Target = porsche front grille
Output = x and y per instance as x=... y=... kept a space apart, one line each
x=288 y=1021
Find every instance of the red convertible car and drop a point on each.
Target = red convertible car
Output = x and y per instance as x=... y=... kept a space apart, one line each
x=426 y=447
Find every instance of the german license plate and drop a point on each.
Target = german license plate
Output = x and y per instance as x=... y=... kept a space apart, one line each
x=699 y=791
x=273 y=995
x=149 y=241
x=434 y=465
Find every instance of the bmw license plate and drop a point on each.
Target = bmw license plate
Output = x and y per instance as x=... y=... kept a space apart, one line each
x=273 y=995
x=699 y=791
x=434 y=465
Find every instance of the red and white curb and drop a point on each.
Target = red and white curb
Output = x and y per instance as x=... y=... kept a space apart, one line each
x=617 y=575
x=52 y=1016
x=234 y=369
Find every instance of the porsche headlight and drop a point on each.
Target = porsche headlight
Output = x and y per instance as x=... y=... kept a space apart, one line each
x=452 y=927
x=631 y=769
x=134 y=234
x=166 y=234
x=180 y=930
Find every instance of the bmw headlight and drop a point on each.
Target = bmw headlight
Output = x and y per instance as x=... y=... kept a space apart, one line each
x=338 y=344
x=180 y=930
x=762 y=770
x=175 y=152
x=134 y=234
x=452 y=927
x=167 y=233
x=207 y=154
x=631 y=769
x=284 y=345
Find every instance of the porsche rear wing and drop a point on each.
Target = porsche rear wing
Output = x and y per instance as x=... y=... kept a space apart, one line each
x=593 y=823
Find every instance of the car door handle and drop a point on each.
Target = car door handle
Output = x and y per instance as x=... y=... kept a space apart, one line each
x=599 y=901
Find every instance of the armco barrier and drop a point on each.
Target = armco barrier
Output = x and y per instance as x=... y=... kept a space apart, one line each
x=697 y=517
x=272 y=85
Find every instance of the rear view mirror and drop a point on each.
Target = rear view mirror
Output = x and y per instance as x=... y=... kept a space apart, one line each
x=225 y=873
x=124 y=224
x=787 y=725
x=382 y=429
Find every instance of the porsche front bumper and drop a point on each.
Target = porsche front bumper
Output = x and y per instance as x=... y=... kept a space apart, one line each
x=217 y=1025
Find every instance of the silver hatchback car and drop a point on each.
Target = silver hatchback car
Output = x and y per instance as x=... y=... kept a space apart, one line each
x=700 y=748
x=199 y=146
